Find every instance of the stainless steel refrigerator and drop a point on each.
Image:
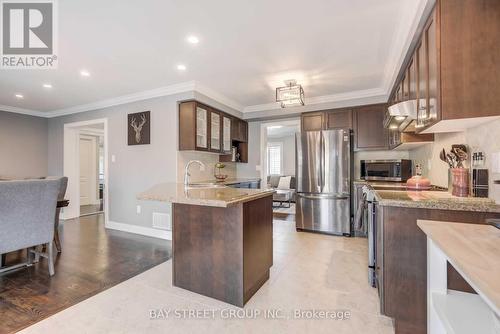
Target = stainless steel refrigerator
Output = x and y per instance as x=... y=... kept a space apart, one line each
x=323 y=170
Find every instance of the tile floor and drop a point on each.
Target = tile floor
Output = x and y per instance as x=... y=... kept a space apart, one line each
x=310 y=271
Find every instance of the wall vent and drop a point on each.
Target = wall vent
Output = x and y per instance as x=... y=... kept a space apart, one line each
x=162 y=221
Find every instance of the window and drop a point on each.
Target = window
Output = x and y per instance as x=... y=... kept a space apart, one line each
x=274 y=158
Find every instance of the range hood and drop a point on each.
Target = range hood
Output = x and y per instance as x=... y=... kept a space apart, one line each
x=400 y=115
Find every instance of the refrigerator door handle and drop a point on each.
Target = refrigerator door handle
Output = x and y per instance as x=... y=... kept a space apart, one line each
x=339 y=197
x=322 y=163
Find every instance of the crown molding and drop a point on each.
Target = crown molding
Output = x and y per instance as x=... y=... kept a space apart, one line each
x=221 y=98
x=144 y=95
x=402 y=42
x=22 y=111
x=354 y=95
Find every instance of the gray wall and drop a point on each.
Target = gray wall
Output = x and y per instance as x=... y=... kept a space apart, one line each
x=137 y=168
x=23 y=145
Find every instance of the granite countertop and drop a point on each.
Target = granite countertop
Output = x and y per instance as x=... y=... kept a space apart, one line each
x=473 y=250
x=441 y=200
x=395 y=194
x=230 y=181
x=218 y=197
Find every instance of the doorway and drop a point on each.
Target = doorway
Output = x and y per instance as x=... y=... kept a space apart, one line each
x=278 y=164
x=86 y=166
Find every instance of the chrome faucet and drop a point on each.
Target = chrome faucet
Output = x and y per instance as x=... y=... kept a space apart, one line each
x=186 y=170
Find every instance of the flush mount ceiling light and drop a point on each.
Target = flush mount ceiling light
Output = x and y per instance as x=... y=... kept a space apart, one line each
x=290 y=95
x=272 y=127
x=19 y=96
x=181 y=67
x=47 y=85
x=85 y=73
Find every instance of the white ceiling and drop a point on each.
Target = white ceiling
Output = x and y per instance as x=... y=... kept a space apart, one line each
x=334 y=48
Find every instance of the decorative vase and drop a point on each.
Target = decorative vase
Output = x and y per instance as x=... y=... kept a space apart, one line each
x=460 y=183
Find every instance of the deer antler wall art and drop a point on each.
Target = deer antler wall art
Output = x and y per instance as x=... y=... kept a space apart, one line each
x=139 y=128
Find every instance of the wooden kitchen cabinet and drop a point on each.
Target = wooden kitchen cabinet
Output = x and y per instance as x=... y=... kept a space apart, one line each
x=456 y=61
x=226 y=134
x=215 y=131
x=203 y=128
x=239 y=130
x=401 y=262
x=338 y=119
x=369 y=132
x=312 y=121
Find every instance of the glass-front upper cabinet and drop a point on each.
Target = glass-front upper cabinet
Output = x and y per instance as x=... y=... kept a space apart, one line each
x=215 y=131
x=226 y=134
x=201 y=127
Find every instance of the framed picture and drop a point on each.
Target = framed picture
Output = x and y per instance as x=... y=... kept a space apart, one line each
x=139 y=128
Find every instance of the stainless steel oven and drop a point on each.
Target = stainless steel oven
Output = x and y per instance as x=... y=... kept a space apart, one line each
x=398 y=170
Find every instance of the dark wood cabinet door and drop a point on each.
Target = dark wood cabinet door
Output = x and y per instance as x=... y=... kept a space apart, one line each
x=432 y=60
x=202 y=127
x=243 y=131
x=235 y=129
x=404 y=88
x=312 y=121
x=422 y=95
x=215 y=131
x=412 y=79
x=369 y=131
x=339 y=119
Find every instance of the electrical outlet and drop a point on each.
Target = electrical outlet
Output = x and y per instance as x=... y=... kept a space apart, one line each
x=113 y=158
x=257 y=168
x=138 y=209
x=429 y=164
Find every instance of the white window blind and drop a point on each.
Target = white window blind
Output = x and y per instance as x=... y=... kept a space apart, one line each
x=274 y=158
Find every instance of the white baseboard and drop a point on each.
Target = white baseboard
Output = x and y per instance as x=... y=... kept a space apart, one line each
x=146 y=231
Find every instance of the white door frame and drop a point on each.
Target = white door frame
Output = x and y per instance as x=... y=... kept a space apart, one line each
x=71 y=167
x=94 y=176
x=263 y=144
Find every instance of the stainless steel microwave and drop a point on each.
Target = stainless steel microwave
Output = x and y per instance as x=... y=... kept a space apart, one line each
x=386 y=170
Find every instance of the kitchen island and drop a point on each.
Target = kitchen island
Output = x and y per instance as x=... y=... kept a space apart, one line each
x=222 y=239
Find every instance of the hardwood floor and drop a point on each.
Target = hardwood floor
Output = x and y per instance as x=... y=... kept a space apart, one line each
x=93 y=259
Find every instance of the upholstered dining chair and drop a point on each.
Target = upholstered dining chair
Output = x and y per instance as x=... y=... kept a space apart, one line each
x=63 y=185
x=27 y=211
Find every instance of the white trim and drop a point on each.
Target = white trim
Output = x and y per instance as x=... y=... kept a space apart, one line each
x=402 y=42
x=92 y=132
x=148 y=94
x=70 y=169
x=359 y=94
x=22 y=111
x=399 y=48
x=146 y=231
x=202 y=89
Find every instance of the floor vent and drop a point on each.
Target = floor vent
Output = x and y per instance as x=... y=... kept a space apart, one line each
x=162 y=221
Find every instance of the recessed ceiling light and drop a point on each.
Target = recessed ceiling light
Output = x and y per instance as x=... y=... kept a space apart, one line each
x=19 y=96
x=47 y=85
x=85 y=73
x=193 y=39
x=181 y=67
